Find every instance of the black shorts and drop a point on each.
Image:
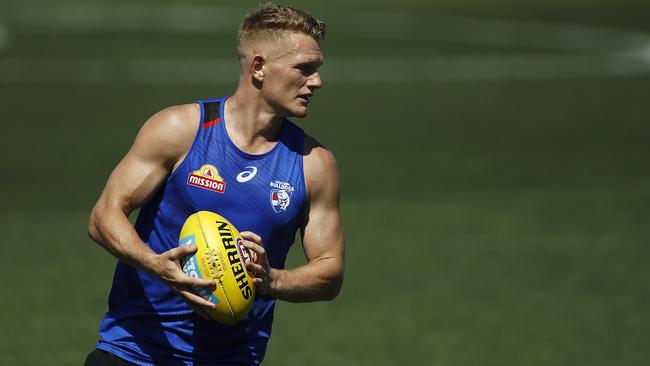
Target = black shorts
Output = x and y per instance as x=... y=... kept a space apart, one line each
x=103 y=358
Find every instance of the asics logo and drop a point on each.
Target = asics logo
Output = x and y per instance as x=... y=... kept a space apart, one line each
x=248 y=174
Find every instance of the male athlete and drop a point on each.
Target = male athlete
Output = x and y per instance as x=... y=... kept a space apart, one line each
x=270 y=179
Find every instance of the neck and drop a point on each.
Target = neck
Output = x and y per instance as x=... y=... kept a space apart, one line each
x=251 y=123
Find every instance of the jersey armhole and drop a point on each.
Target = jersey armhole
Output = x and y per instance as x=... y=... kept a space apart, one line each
x=305 y=188
x=191 y=149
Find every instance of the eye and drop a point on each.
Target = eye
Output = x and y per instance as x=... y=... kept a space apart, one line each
x=306 y=70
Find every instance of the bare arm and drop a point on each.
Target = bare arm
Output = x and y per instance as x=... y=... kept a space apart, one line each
x=160 y=145
x=322 y=236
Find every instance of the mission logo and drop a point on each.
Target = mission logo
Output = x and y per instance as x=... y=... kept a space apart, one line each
x=207 y=177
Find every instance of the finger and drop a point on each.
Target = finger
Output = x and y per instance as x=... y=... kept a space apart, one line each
x=196 y=300
x=251 y=254
x=181 y=251
x=186 y=280
x=256 y=269
x=248 y=235
x=255 y=248
x=176 y=278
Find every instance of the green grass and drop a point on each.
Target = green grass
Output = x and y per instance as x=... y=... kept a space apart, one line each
x=499 y=222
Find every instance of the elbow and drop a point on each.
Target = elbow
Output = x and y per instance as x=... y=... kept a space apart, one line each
x=93 y=227
x=335 y=282
x=331 y=294
x=334 y=288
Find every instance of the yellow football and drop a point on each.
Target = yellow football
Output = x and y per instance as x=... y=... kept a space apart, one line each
x=220 y=256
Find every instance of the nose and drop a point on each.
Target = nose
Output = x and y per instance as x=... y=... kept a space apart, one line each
x=314 y=81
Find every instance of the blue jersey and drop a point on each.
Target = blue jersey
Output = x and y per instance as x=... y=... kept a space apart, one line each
x=147 y=323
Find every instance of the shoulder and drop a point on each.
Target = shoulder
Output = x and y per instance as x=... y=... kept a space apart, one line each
x=320 y=169
x=170 y=132
x=174 y=122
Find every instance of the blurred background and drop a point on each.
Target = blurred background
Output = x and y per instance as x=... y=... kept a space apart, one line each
x=493 y=158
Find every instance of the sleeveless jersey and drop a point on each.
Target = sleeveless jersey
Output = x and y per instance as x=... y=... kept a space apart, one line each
x=147 y=323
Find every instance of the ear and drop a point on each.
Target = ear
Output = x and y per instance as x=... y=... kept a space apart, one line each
x=257 y=67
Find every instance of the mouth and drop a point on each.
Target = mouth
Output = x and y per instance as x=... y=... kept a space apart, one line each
x=305 y=98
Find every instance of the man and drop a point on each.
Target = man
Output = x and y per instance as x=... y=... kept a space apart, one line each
x=276 y=180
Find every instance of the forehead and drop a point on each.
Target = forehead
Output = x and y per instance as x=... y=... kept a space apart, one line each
x=299 y=47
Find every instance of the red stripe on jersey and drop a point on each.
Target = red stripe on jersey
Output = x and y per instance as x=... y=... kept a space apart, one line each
x=212 y=123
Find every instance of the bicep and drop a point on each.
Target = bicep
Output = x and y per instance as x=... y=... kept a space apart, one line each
x=160 y=144
x=133 y=181
x=322 y=232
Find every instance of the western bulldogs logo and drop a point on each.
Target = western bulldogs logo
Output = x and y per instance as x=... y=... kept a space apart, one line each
x=280 y=195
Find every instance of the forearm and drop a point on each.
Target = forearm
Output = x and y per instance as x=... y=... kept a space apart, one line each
x=113 y=231
x=316 y=281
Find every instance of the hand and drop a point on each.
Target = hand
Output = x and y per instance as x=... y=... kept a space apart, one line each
x=167 y=267
x=258 y=266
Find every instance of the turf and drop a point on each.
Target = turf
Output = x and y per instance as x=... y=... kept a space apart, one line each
x=488 y=222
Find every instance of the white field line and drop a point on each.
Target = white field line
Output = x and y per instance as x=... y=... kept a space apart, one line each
x=219 y=19
x=335 y=71
x=566 y=51
x=165 y=17
x=491 y=31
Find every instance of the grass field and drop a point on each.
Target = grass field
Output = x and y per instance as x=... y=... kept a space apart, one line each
x=493 y=157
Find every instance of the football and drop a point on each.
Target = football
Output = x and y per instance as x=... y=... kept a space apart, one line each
x=220 y=256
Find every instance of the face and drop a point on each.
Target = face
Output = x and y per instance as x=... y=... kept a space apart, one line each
x=291 y=76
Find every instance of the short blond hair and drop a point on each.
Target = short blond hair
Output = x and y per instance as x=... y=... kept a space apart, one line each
x=271 y=21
